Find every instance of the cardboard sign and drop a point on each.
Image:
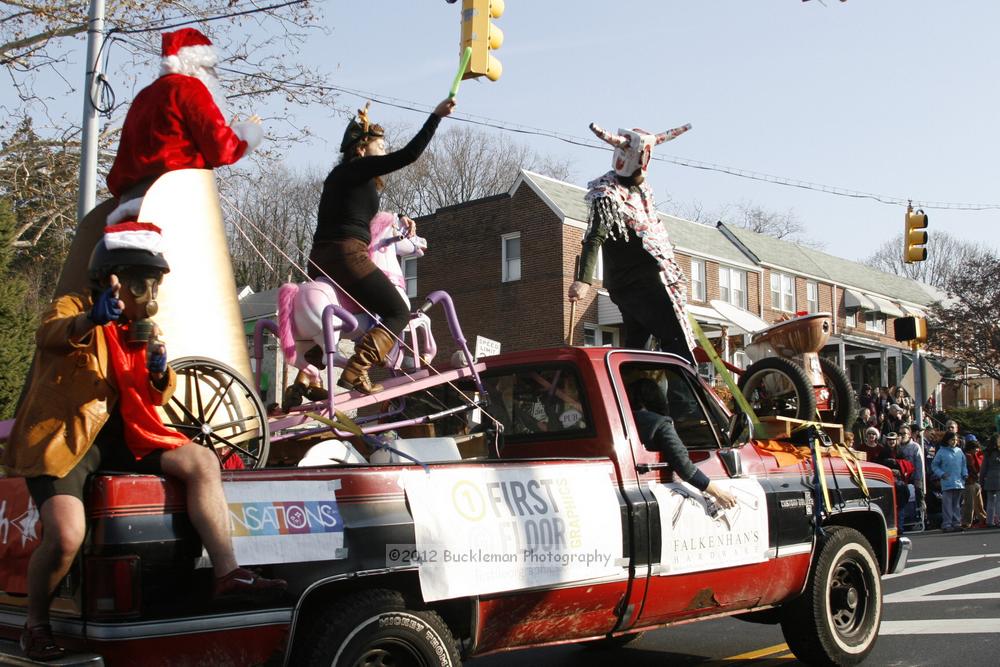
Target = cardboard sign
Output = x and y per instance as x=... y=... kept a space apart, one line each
x=276 y=522
x=489 y=530
x=693 y=540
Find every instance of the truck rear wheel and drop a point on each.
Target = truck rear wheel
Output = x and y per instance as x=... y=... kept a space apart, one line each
x=374 y=628
x=836 y=619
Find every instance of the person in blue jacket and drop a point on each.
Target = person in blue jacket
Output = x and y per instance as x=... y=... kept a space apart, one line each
x=951 y=468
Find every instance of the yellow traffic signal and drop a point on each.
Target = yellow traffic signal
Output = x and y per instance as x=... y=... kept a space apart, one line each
x=914 y=238
x=910 y=329
x=479 y=32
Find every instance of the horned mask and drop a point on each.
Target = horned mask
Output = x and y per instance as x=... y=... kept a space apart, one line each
x=634 y=147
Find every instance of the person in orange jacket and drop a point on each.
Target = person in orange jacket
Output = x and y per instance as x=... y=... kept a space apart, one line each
x=91 y=404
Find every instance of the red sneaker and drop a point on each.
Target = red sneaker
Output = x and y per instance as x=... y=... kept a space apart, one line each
x=243 y=584
x=38 y=644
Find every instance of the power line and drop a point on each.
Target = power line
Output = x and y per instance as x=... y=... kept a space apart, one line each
x=164 y=24
x=680 y=161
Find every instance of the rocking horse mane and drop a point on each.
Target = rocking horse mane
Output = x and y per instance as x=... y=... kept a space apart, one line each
x=286 y=310
x=378 y=226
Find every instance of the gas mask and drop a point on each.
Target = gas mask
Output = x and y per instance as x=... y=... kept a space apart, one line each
x=143 y=289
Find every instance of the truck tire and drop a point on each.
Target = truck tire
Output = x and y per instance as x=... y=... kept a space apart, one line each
x=836 y=620
x=376 y=628
x=845 y=403
x=777 y=387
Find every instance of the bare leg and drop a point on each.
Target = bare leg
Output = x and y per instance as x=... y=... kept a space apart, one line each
x=63 y=529
x=198 y=468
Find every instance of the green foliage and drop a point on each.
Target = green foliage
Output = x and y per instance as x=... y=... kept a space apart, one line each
x=974 y=420
x=17 y=321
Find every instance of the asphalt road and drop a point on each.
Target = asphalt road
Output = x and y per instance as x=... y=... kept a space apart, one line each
x=944 y=609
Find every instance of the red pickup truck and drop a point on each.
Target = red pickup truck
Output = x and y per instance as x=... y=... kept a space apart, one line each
x=538 y=519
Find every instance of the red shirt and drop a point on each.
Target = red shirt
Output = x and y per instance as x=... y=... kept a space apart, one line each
x=144 y=430
x=173 y=124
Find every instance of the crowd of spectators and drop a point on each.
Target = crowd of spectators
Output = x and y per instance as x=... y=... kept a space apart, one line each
x=943 y=477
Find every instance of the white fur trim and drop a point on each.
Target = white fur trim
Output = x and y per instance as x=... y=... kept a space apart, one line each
x=252 y=133
x=134 y=240
x=128 y=210
x=189 y=60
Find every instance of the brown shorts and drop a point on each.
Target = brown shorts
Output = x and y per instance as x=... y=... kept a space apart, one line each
x=108 y=453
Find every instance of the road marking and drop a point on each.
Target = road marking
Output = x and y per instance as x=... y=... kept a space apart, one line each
x=926 y=593
x=928 y=564
x=941 y=626
x=759 y=653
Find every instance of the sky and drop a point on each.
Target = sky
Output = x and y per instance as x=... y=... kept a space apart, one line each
x=896 y=97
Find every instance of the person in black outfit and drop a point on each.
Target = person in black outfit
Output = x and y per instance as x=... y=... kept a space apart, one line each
x=640 y=272
x=657 y=434
x=351 y=197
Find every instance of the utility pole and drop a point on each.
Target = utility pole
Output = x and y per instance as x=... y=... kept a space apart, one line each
x=88 y=142
x=918 y=417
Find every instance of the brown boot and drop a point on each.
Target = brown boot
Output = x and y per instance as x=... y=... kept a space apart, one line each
x=372 y=349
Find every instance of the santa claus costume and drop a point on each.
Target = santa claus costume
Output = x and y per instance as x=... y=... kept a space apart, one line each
x=177 y=122
x=640 y=272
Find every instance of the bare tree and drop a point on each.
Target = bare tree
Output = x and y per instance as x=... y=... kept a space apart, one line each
x=748 y=215
x=947 y=259
x=270 y=217
x=965 y=327
x=258 y=66
x=462 y=164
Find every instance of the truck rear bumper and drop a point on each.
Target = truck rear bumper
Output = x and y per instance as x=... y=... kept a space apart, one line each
x=902 y=551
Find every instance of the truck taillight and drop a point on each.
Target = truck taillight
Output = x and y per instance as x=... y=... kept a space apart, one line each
x=113 y=586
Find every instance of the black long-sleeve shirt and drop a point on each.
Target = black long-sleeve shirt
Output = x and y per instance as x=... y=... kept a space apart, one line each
x=350 y=197
x=658 y=434
x=625 y=260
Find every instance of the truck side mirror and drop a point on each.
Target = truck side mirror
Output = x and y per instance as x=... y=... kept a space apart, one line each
x=732 y=461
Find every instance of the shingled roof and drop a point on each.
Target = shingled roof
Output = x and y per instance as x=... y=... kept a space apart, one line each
x=743 y=247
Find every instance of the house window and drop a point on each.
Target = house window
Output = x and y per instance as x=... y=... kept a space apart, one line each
x=851 y=320
x=697 y=280
x=875 y=321
x=733 y=286
x=783 y=292
x=511 y=257
x=812 y=297
x=594 y=336
x=409 y=266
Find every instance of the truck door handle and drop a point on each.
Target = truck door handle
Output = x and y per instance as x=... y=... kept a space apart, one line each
x=647 y=467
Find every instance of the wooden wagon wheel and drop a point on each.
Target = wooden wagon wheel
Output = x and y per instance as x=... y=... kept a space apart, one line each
x=216 y=407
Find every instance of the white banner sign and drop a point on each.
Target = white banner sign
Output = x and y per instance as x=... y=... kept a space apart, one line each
x=693 y=540
x=484 y=530
x=277 y=522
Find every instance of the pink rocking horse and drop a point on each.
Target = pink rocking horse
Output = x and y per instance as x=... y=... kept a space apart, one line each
x=301 y=306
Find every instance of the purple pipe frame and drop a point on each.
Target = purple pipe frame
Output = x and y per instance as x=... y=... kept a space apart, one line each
x=348 y=323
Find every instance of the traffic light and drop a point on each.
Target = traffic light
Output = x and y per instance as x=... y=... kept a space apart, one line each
x=479 y=32
x=914 y=238
x=910 y=329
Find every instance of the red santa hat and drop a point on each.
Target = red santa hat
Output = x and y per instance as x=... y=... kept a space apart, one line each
x=132 y=235
x=186 y=51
